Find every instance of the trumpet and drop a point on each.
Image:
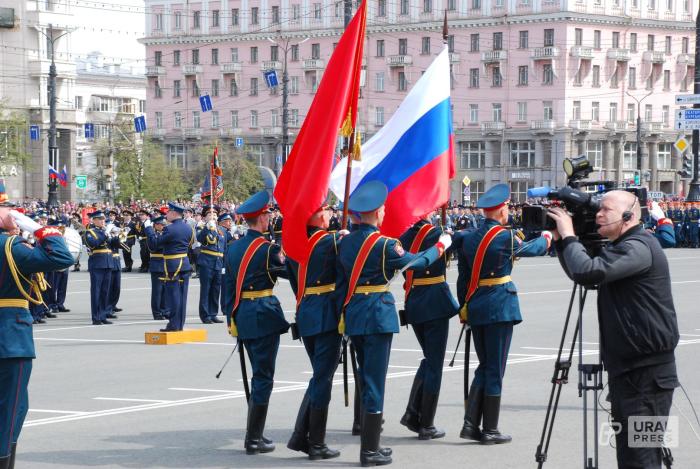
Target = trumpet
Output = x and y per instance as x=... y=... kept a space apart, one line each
x=123 y=235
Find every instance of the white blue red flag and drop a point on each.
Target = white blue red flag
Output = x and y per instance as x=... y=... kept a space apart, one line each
x=413 y=154
x=63 y=177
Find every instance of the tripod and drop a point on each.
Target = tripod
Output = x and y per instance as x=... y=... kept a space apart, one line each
x=590 y=378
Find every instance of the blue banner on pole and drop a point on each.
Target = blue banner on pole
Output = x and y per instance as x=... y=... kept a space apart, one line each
x=140 y=123
x=34 y=132
x=271 y=78
x=205 y=103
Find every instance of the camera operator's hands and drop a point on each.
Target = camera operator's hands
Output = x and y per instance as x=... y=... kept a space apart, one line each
x=565 y=225
x=656 y=212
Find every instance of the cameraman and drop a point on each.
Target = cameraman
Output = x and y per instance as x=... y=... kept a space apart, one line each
x=638 y=327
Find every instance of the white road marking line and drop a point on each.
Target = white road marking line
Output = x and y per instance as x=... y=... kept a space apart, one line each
x=128 y=399
x=109 y=341
x=40 y=329
x=692 y=335
x=49 y=411
x=554 y=348
x=404 y=366
x=205 y=390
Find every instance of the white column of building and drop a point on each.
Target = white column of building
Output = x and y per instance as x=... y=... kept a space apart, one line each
x=653 y=165
x=539 y=161
x=608 y=158
x=489 y=161
x=244 y=16
x=619 y=151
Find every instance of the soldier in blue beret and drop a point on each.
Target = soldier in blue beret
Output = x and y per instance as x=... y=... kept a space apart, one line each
x=253 y=313
x=429 y=305
x=19 y=261
x=367 y=262
x=209 y=264
x=491 y=310
x=175 y=242
x=313 y=283
x=100 y=246
x=159 y=309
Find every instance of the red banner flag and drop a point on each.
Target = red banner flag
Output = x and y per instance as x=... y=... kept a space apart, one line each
x=303 y=183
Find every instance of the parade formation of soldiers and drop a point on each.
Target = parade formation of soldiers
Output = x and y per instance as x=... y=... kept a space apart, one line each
x=343 y=301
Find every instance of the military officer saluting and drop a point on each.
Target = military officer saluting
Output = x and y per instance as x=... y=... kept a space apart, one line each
x=18 y=261
x=367 y=262
x=428 y=307
x=209 y=265
x=253 y=313
x=313 y=283
x=175 y=242
x=158 y=307
x=100 y=265
x=489 y=303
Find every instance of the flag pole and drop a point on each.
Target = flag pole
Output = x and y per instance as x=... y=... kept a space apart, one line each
x=348 y=175
x=443 y=209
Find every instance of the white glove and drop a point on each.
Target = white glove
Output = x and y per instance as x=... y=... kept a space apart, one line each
x=24 y=222
x=108 y=228
x=343 y=233
x=211 y=224
x=446 y=240
x=656 y=212
x=147 y=223
x=115 y=230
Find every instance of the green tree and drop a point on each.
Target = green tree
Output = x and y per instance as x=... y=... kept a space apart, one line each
x=160 y=180
x=14 y=131
x=241 y=176
x=126 y=158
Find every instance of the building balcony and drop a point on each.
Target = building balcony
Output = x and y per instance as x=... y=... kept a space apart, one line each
x=492 y=56
x=157 y=133
x=581 y=52
x=155 y=70
x=544 y=53
x=654 y=56
x=454 y=58
x=399 y=60
x=314 y=64
x=230 y=132
x=651 y=128
x=191 y=69
x=619 y=55
x=231 y=67
x=685 y=59
x=491 y=127
x=271 y=65
x=40 y=68
x=542 y=125
x=192 y=132
x=580 y=125
x=272 y=131
x=616 y=126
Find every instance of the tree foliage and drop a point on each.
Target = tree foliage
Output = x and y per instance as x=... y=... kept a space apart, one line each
x=14 y=133
x=241 y=176
x=160 y=180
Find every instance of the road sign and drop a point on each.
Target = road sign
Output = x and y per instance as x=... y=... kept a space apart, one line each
x=466 y=181
x=140 y=123
x=655 y=195
x=205 y=103
x=270 y=78
x=688 y=114
x=81 y=181
x=688 y=99
x=239 y=141
x=687 y=125
x=34 y=132
x=89 y=130
x=681 y=144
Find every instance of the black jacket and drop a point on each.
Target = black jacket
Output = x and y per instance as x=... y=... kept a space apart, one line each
x=638 y=325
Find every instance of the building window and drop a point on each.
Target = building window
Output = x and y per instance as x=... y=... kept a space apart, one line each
x=474 y=43
x=631 y=113
x=665 y=115
x=274 y=53
x=597 y=39
x=294 y=52
x=176 y=88
x=476 y=190
x=178 y=20
x=196 y=19
x=649 y=113
x=214 y=119
x=159 y=22
x=612 y=112
x=473 y=77
x=254 y=119
x=667 y=48
x=548 y=110
x=497 y=78
x=522 y=75
x=663 y=156
x=176 y=156
x=177 y=120
x=254 y=86
x=254 y=55
x=380 y=47
x=294 y=117
x=451 y=5
x=667 y=80
x=496 y=112
x=158 y=58
x=234 y=119
x=195 y=89
x=576 y=115
x=594 y=153
x=548 y=37
x=215 y=56
x=578 y=37
x=233 y=87
x=522 y=112
x=613 y=79
x=403 y=46
x=381 y=8
x=159 y=120
x=650 y=42
x=473 y=113
x=176 y=57
x=522 y=153
x=254 y=16
x=684 y=45
x=196 y=120
x=629 y=156
x=403 y=7
x=235 y=17
x=427 y=6
x=234 y=54
x=632 y=78
x=275 y=14
x=472 y=155
x=403 y=83
x=615 y=40
x=195 y=56
x=596 y=76
x=633 y=42
x=79 y=101
x=215 y=87
x=523 y=39
x=379 y=82
x=379 y=116
x=595 y=111
x=296 y=12
x=157 y=90
x=547 y=74
x=518 y=191
x=317 y=11
x=316 y=51
x=294 y=85
x=451 y=43
x=425 y=46
x=215 y=18
x=497 y=41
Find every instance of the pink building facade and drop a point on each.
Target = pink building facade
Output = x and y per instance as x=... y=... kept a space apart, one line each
x=534 y=81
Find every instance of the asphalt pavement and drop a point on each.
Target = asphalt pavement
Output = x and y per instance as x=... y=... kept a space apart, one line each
x=100 y=397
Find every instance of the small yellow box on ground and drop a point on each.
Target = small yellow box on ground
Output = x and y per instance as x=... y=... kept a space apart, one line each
x=176 y=337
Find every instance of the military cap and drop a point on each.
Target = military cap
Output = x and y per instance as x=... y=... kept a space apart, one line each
x=145 y=212
x=255 y=205
x=4 y=201
x=175 y=206
x=224 y=216
x=368 y=197
x=127 y=212
x=97 y=214
x=112 y=212
x=494 y=197
x=209 y=208
x=159 y=220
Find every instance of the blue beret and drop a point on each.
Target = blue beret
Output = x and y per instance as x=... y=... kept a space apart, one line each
x=176 y=207
x=255 y=205
x=368 y=197
x=494 y=197
x=160 y=219
x=224 y=216
x=97 y=214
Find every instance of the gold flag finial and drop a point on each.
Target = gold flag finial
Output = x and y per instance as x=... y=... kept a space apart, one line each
x=346 y=129
x=357 y=148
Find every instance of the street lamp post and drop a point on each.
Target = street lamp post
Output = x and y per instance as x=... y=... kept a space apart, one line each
x=694 y=190
x=639 y=130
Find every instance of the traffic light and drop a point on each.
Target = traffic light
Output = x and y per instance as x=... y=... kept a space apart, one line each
x=686 y=171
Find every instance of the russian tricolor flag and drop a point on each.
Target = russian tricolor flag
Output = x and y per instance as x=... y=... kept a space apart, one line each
x=413 y=154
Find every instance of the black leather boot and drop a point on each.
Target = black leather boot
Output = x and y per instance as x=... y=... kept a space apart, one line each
x=11 y=465
x=411 y=418
x=427 y=429
x=317 y=435
x=357 y=416
x=370 y=454
x=254 y=442
x=490 y=434
x=5 y=462
x=472 y=416
x=299 y=441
